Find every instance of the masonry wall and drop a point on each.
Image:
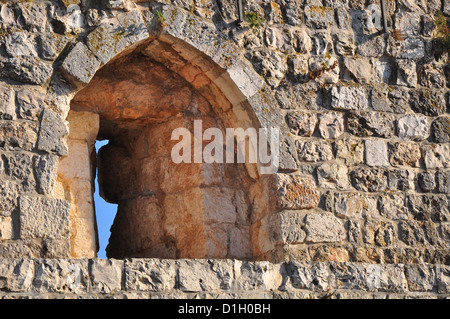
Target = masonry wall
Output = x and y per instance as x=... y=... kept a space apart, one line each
x=364 y=180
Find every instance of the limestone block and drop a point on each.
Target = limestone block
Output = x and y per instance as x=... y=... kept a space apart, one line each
x=61 y=275
x=291 y=227
x=359 y=69
x=29 y=103
x=106 y=275
x=376 y=153
x=407 y=74
x=427 y=181
x=440 y=130
x=149 y=274
x=309 y=275
x=258 y=275
x=296 y=192
x=324 y=228
x=408 y=23
x=333 y=175
x=436 y=156
x=80 y=64
x=8 y=193
x=7 y=105
x=349 y=98
x=6 y=228
x=319 y=17
x=427 y=102
x=16 y=275
x=414 y=127
x=18 y=166
x=52 y=133
x=331 y=125
x=301 y=123
x=204 y=275
x=43 y=218
x=386 y=277
x=107 y=40
x=405 y=154
x=314 y=150
x=369 y=180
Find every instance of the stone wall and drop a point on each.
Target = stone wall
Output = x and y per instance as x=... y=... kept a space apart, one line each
x=144 y=278
x=364 y=180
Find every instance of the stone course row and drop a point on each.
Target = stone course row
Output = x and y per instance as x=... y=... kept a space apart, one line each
x=203 y=278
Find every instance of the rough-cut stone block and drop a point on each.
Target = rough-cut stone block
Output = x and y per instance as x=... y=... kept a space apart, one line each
x=107 y=40
x=331 y=125
x=7 y=106
x=420 y=277
x=45 y=169
x=308 y=275
x=443 y=181
x=369 y=180
x=440 y=130
x=301 y=123
x=376 y=153
x=61 y=276
x=427 y=102
x=405 y=154
x=296 y=192
x=414 y=127
x=386 y=278
x=204 y=275
x=30 y=103
x=349 y=98
x=18 y=166
x=324 y=228
x=106 y=275
x=52 y=133
x=291 y=227
x=258 y=275
x=333 y=175
x=436 y=156
x=80 y=64
x=314 y=150
x=16 y=275
x=149 y=274
x=43 y=218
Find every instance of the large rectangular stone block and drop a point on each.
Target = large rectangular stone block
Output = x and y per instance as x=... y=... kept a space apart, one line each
x=43 y=218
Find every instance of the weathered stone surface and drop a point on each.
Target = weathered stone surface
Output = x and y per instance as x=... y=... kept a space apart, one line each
x=420 y=277
x=45 y=167
x=392 y=206
x=80 y=64
x=43 y=218
x=407 y=73
x=52 y=133
x=319 y=17
x=376 y=153
x=369 y=180
x=296 y=192
x=414 y=127
x=205 y=275
x=440 y=130
x=29 y=104
x=350 y=150
x=427 y=181
x=408 y=23
x=16 y=275
x=61 y=275
x=405 y=154
x=333 y=175
x=386 y=278
x=331 y=125
x=149 y=274
x=443 y=181
x=358 y=69
x=301 y=123
x=255 y=275
x=323 y=228
x=427 y=102
x=377 y=124
x=107 y=40
x=307 y=275
x=349 y=98
x=291 y=227
x=106 y=275
x=7 y=105
x=436 y=156
x=18 y=166
x=313 y=150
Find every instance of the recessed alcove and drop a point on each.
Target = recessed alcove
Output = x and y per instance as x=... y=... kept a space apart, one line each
x=165 y=209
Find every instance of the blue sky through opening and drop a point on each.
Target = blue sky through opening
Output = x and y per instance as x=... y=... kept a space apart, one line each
x=105 y=213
